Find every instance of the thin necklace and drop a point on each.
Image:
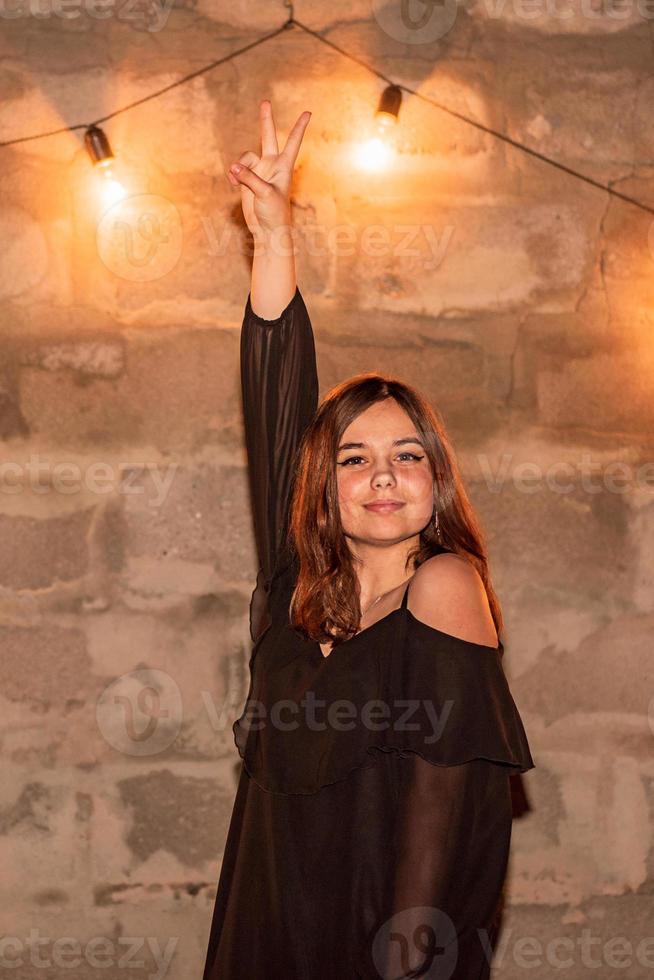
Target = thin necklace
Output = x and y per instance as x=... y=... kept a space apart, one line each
x=373 y=603
x=381 y=597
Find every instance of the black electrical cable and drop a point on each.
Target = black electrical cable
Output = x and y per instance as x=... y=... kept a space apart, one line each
x=292 y=22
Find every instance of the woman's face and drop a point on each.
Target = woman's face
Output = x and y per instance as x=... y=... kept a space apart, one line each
x=388 y=463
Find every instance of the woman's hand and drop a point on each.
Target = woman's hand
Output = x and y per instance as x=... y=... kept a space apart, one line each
x=265 y=180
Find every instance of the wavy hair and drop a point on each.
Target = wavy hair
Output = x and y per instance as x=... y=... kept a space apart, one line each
x=325 y=601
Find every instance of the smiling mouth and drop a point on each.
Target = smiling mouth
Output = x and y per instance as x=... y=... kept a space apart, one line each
x=383 y=507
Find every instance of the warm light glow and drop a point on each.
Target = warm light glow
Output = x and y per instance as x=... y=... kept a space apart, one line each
x=377 y=153
x=111 y=190
x=374 y=155
x=385 y=121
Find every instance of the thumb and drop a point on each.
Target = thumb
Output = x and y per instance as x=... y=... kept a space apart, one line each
x=244 y=175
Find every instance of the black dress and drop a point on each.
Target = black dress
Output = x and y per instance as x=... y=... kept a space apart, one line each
x=368 y=840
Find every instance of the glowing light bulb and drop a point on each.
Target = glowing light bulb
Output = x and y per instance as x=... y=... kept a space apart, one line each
x=377 y=153
x=385 y=121
x=103 y=160
x=111 y=190
x=374 y=155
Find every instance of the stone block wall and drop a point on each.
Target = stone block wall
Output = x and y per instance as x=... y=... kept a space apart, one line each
x=518 y=298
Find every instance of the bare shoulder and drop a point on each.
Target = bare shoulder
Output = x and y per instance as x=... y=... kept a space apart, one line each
x=448 y=594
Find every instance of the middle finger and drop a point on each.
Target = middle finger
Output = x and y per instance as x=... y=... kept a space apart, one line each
x=294 y=138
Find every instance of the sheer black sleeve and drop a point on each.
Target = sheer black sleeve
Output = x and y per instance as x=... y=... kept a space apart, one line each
x=451 y=847
x=279 y=381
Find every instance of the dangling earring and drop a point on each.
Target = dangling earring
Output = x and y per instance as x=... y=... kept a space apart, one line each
x=437 y=527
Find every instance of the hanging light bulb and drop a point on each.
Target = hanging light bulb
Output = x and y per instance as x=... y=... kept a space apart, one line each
x=389 y=107
x=102 y=157
x=98 y=148
x=377 y=153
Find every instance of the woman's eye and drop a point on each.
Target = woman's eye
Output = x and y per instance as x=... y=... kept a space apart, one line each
x=353 y=459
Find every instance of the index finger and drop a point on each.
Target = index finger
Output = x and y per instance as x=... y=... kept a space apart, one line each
x=268 y=132
x=294 y=139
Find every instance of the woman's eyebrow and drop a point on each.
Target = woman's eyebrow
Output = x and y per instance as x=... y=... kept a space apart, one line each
x=396 y=442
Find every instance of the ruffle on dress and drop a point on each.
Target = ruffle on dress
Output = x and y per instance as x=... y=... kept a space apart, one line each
x=402 y=687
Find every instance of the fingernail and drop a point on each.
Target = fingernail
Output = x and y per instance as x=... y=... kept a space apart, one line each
x=236 y=167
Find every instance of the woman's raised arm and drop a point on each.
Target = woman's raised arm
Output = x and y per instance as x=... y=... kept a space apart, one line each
x=279 y=376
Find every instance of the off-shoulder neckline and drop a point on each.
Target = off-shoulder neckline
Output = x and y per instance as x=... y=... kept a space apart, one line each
x=451 y=636
x=431 y=629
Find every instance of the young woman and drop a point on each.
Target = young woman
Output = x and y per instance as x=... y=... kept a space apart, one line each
x=371 y=826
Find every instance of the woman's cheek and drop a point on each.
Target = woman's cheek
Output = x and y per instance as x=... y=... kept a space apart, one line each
x=347 y=483
x=351 y=493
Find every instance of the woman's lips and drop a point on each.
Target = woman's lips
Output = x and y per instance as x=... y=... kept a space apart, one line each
x=383 y=508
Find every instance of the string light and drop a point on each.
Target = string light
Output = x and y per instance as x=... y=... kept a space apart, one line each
x=377 y=152
x=389 y=107
x=291 y=22
x=98 y=147
x=102 y=158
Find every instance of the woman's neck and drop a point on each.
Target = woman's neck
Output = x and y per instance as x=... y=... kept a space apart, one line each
x=381 y=569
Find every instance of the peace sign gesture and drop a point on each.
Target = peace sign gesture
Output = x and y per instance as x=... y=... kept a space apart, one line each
x=265 y=180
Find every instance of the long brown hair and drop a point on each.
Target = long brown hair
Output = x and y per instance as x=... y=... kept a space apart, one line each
x=325 y=602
